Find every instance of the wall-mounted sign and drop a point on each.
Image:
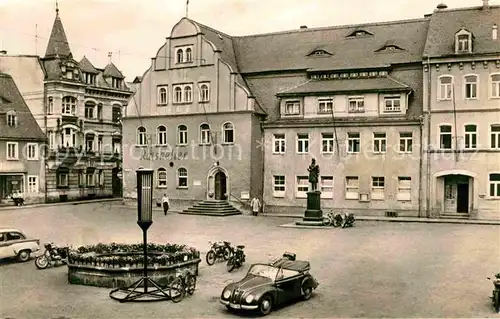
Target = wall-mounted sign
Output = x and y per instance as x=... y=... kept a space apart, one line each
x=164 y=155
x=196 y=183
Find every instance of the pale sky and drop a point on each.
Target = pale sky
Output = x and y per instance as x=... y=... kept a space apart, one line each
x=135 y=29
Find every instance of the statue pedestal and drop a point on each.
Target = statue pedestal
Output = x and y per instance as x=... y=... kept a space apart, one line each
x=313 y=215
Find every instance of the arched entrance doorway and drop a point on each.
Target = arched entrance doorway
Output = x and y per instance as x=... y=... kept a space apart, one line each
x=455 y=192
x=220 y=186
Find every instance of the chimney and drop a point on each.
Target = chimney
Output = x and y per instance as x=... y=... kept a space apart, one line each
x=110 y=57
x=3 y=51
x=485 y=4
x=303 y=27
x=494 y=32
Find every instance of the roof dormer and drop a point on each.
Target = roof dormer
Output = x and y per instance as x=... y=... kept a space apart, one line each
x=11 y=118
x=390 y=46
x=320 y=53
x=463 y=41
x=359 y=33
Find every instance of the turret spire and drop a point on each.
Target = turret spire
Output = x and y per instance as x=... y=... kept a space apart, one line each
x=58 y=43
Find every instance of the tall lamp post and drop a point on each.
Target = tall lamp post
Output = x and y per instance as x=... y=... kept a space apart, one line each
x=144 y=219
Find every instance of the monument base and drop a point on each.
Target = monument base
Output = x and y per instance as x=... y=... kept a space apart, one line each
x=313 y=215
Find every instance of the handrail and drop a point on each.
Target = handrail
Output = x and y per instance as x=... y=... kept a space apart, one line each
x=239 y=200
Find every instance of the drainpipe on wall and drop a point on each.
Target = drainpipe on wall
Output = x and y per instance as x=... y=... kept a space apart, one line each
x=428 y=154
x=263 y=158
x=420 y=168
x=46 y=142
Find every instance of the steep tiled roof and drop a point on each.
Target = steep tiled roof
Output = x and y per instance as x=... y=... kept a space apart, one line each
x=12 y=100
x=112 y=70
x=445 y=23
x=289 y=50
x=86 y=66
x=58 y=43
x=339 y=86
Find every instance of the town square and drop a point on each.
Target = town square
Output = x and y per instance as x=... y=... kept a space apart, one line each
x=242 y=158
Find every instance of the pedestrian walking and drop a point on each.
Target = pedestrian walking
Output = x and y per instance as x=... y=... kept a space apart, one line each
x=166 y=203
x=255 y=203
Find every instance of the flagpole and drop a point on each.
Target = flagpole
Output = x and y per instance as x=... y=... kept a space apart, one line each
x=187 y=7
x=455 y=121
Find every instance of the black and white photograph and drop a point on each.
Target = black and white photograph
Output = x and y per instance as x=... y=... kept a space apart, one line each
x=249 y=158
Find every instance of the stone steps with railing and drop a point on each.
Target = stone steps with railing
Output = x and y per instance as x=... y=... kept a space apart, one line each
x=212 y=208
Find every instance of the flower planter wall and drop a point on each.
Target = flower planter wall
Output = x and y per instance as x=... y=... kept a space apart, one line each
x=119 y=266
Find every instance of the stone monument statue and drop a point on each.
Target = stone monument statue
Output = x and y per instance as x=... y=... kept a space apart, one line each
x=313 y=170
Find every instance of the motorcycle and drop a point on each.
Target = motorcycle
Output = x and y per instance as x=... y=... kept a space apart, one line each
x=53 y=256
x=496 y=292
x=348 y=220
x=237 y=258
x=218 y=250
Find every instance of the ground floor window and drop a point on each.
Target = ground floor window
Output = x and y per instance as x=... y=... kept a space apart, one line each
x=32 y=184
x=494 y=181
x=352 y=187
x=182 y=178
x=378 y=187
x=62 y=179
x=90 y=179
x=101 y=178
x=162 y=178
x=326 y=186
x=279 y=186
x=302 y=186
x=404 y=188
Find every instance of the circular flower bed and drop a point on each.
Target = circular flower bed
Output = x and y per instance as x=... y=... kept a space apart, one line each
x=122 y=255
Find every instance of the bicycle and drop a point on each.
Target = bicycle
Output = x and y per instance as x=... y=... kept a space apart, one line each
x=181 y=286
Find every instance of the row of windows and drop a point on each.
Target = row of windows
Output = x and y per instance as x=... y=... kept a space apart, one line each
x=184 y=54
x=352 y=146
x=92 y=178
x=351 y=187
x=182 y=134
x=356 y=104
x=470 y=136
x=92 y=111
x=470 y=87
x=183 y=93
x=68 y=138
x=182 y=178
x=12 y=151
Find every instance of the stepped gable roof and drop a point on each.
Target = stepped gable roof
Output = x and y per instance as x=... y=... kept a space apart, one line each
x=350 y=46
x=86 y=66
x=445 y=23
x=112 y=70
x=58 y=45
x=12 y=100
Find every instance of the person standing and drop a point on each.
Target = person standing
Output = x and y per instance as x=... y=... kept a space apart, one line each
x=255 y=204
x=166 y=203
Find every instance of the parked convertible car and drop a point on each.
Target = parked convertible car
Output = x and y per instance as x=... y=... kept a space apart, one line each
x=267 y=285
x=13 y=243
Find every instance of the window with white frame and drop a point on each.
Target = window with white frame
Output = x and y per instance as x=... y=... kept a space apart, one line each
x=302 y=186
x=326 y=184
x=68 y=137
x=302 y=143
x=279 y=143
x=32 y=184
x=90 y=110
x=445 y=87
x=188 y=94
x=182 y=178
x=327 y=141
x=495 y=136
x=182 y=134
x=62 y=179
x=495 y=85
x=378 y=187
x=177 y=94
x=90 y=179
x=179 y=56
x=11 y=119
x=352 y=187
x=204 y=134
x=69 y=105
x=405 y=142
x=445 y=137
x=52 y=139
x=379 y=142
x=470 y=141
x=292 y=107
x=325 y=106
x=141 y=136
x=32 y=151
x=278 y=186
x=162 y=95
x=204 y=92
x=463 y=43
x=50 y=105
x=471 y=86
x=494 y=181
x=162 y=177
x=228 y=131
x=161 y=135
x=101 y=178
x=356 y=104
x=189 y=55
x=12 y=151
x=184 y=54
x=353 y=142
x=404 y=188
x=392 y=104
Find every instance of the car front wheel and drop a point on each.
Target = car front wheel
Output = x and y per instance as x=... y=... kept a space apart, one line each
x=23 y=255
x=306 y=292
x=266 y=305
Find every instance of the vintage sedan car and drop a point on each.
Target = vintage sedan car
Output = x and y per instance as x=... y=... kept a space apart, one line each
x=267 y=285
x=13 y=243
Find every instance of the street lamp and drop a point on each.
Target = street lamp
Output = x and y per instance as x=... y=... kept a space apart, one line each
x=144 y=220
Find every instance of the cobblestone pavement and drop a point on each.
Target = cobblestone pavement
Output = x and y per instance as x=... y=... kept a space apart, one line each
x=374 y=269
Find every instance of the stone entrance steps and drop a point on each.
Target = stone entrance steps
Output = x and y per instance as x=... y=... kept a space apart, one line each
x=455 y=215
x=212 y=208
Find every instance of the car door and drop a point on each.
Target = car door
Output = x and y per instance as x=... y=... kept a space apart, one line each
x=6 y=249
x=287 y=284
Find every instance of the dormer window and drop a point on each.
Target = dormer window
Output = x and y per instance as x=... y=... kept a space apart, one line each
x=116 y=83
x=359 y=34
x=390 y=47
x=11 y=119
x=184 y=54
x=320 y=52
x=463 y=41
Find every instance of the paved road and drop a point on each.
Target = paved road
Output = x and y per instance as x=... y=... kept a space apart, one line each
x=374 y=270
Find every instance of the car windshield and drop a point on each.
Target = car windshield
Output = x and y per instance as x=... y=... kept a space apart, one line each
x=264 y=271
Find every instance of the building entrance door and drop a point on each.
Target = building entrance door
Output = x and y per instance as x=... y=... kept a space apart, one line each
x=456 y=194
x=220 y=186
x=463 y=198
